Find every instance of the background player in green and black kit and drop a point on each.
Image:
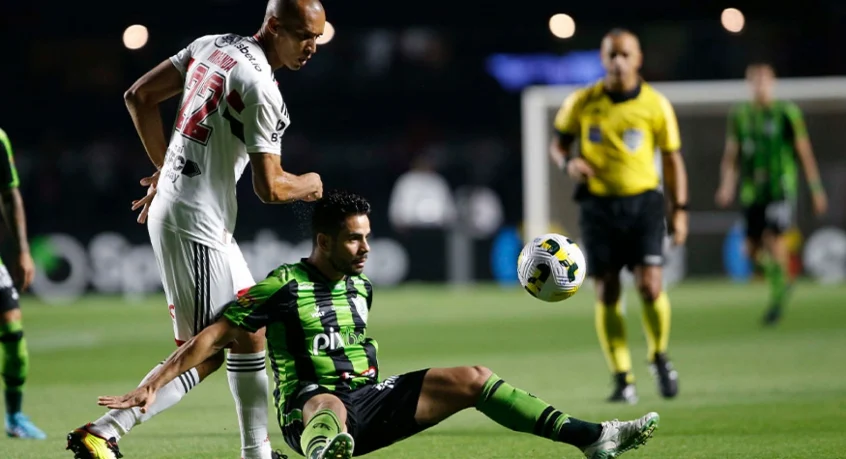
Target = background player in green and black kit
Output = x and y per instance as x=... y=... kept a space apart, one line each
x=331 y=401
x=15 y=359
x=765 y=136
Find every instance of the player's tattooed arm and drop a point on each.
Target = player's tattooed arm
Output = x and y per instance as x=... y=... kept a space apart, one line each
x=273 y=185
x=143 y=99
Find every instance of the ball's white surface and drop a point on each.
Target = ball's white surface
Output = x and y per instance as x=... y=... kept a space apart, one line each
x=551 y=267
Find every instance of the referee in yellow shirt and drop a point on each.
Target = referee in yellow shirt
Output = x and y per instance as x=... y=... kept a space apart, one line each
x=620 y=122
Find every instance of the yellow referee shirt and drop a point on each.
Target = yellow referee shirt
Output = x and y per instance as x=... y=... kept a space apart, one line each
x=619 y=139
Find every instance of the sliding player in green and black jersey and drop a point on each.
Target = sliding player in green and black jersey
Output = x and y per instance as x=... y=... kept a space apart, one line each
x=331 y=399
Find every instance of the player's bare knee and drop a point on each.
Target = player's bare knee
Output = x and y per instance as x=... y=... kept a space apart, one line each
x=249 y=343
x=217 y=359
x=13 y=315
x=210 y=365
x=473 y=382
x=322 y=402
x=648 y=292
x=649 y=284
x=608 y=288
x=775 y=244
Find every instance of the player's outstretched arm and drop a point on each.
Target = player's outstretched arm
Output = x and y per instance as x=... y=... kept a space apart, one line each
x=275 y=186
x=194 y=352
x=143 y=99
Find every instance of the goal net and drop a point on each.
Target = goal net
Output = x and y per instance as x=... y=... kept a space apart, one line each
x=702 y=108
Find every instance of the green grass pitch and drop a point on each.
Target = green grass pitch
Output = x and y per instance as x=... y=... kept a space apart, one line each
x=746 y=392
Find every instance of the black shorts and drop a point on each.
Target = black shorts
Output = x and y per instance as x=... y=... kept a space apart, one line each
x=8 y=293
x=622 y=232
x=775 y=216
x=378 y=415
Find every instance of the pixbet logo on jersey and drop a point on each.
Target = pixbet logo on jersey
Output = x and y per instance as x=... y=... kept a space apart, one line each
x=334 y=340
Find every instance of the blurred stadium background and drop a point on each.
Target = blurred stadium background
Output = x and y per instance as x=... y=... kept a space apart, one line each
x=426 y=109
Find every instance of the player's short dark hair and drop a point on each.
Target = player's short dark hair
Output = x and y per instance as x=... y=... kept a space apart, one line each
x=331 y=211
x=619 y=31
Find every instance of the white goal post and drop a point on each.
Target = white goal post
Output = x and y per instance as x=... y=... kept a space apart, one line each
x=539 y=101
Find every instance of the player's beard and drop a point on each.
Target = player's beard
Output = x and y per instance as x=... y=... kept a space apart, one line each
x=344 y=266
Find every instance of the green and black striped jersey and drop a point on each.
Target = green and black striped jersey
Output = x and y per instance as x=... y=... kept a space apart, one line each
x=316 y=328
x=766 y=136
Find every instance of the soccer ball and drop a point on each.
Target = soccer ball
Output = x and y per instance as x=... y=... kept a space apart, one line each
x=551 y=267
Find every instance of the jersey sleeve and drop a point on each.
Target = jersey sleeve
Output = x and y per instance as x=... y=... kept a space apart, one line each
x=796 y=121
x=265 y=120
x=182 y=59
x=567 y=119
x=8 y=171
x=257 y=306
x=667 y=137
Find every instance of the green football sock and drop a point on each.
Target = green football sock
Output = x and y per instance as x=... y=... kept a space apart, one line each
x=777 y=278
x=521 y=411
x=320 y=429
x=15 y=365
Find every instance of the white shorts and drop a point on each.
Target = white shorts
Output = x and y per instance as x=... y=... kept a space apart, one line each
x=199 y=281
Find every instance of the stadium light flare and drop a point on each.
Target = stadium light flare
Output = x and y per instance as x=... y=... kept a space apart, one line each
x=562 y=25
x=328 y=34
x=135 y=36
x=732 y=20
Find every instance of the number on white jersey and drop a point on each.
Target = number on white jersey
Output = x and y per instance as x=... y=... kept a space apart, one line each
x=206 y=92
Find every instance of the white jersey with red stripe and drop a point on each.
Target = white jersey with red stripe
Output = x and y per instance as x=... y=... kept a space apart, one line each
x=231 y=106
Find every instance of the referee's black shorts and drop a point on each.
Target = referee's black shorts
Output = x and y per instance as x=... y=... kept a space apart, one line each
x=622 y=232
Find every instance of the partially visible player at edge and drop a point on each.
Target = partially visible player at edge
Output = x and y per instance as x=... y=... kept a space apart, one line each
x=231 y=113
x=620 y=122
x=764 y=136
x=15 y=364
x=330 y=398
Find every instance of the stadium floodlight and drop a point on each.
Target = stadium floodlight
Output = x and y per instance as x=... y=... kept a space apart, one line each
x=135 y=36
x=562 y=25
x=732 y=20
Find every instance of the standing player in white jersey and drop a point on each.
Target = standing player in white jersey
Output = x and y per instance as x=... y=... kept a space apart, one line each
x=231 y=112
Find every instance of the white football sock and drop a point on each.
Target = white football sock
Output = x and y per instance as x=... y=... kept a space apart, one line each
x=117 y=423
x=248 y=383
